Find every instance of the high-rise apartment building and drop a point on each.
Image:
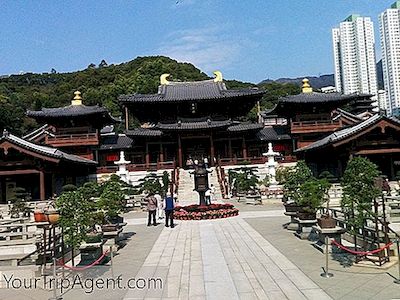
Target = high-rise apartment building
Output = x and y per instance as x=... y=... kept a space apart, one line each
x=354 y=56
x=389 y=26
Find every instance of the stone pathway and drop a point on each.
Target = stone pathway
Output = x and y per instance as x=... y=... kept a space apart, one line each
x=222 y=259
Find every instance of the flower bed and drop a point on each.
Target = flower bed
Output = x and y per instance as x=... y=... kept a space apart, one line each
x=197 y=212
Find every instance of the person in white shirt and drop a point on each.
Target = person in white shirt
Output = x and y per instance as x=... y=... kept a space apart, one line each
x=208 y=197
x=160 y=206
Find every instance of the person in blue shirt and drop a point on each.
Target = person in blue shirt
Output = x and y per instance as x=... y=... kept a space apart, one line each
x=169 y=210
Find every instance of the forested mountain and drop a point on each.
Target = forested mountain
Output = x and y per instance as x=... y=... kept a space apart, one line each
x=102 y=85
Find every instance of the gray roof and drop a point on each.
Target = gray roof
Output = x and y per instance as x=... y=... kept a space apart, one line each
x=36 y=133
x=189 y=91
x=347 y=132
x=144 y=132
x=245 y=127
x=273 y=133
x=115 y=142
x=315 y=97
x=44 y=150
x=71 y=111
x=348 y=115
x=193 y=125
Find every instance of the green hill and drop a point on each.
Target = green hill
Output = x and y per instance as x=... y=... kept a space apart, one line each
x=99 y=85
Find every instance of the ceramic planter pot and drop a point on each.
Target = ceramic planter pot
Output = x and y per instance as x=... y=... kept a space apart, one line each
x=306 y=215
x=53 y=216
x=40 y=216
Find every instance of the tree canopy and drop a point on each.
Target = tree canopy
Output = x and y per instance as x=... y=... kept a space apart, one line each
x=102 y=85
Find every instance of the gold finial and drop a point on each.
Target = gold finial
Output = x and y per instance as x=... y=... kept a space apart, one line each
x=306 y=86
x=77 y=99
x=218 y=76
x=163 y=79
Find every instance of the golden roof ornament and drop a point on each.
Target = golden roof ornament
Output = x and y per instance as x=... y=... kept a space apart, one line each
x=77 y=99
x=306 y=86
x=218 y=76
x=163 y=79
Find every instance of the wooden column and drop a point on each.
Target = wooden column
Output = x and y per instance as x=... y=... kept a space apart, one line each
x=161 y=153
x=244 y=147
x=147 y=155
x=230 y=149
x=212 y=151
x=42 y=186
x=180 y=159
x=126 y=118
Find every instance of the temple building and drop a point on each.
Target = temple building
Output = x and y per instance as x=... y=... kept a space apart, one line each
x=310 y=116
x=74 y=128
x=196 y=120
x=377 y=138
x=42 y=171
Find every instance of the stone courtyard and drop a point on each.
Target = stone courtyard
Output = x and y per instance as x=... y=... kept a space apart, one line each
x=246 y=257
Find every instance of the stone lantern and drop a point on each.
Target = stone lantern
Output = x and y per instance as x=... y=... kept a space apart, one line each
x=271 y=165
x=122 y=172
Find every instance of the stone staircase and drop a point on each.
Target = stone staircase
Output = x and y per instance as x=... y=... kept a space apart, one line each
x=187 y=196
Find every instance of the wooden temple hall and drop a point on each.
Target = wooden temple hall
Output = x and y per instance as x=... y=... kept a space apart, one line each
x=197 y=120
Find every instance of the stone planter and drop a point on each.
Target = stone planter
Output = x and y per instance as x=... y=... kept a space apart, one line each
x=109 y=227
x=306 y=215
x=326 y=222
x=92 y=237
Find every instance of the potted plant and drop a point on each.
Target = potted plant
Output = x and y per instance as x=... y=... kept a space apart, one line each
x=19 y=207
x=39 y=215
x=292 y=179
x=111 y=202
x=326 y=220
x=359 y=192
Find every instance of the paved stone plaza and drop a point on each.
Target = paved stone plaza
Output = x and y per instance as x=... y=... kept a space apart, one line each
x=246 y=257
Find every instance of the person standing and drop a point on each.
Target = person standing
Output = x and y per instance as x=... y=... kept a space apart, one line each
x=212 y=191
x=205 y=161
x=207 y=196
x=151 y=208
x=160 y=206
x=169 y=210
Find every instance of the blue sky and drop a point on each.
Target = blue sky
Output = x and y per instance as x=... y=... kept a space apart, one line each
x=248 y=40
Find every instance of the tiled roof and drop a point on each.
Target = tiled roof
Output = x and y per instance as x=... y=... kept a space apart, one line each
x=72 y=111
x=209 y=124
x=44 y=150
x=36 y=133
x=115 y=142
x=245 y=127
x=346 y=132
x=315 y=97
x=189 y=91
x=273 y=133
x=144 y=132
x=348 y=115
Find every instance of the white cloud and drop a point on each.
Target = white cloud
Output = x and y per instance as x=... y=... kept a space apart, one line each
x=209 y=49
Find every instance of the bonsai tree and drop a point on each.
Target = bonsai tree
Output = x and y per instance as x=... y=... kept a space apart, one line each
x=292 y=179
x=18 y=203
x=313 y=193
x=76 y=215
x=151 y=184
x=111 y=200
x=359 y=191
x=243 y=179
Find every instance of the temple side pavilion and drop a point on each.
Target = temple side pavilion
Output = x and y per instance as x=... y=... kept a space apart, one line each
x=377 y=138
x=198 y=120
x=40 y=170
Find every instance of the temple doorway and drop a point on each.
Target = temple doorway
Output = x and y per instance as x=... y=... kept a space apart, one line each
x=196 y=148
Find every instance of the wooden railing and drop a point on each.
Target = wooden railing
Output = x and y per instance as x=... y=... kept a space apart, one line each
x=83 y=139
x=314 y=126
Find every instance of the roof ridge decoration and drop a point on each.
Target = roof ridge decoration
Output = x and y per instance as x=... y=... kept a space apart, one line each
x=77 y=99
x=306 y=86
x=164 y=80
x=218 y=76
